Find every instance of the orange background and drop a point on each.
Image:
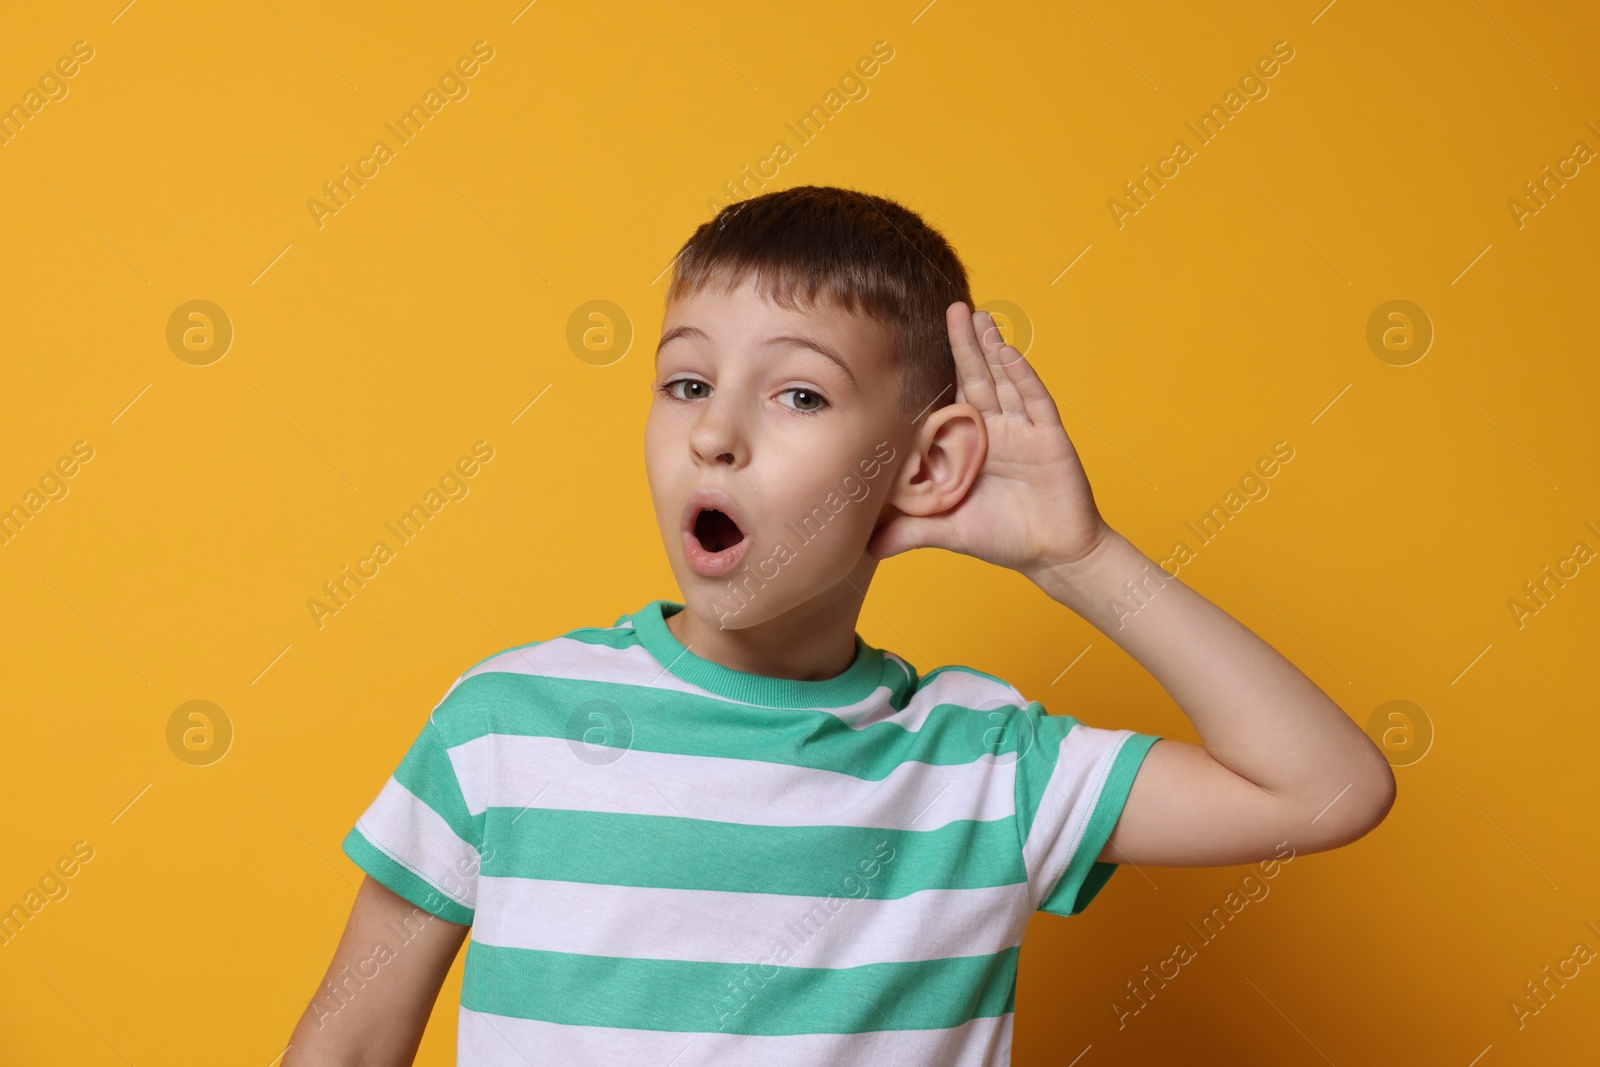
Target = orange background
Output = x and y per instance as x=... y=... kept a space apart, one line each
x=1229 y=313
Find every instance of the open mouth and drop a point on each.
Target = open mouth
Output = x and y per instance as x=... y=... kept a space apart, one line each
x=716 y=531
x=713 y=540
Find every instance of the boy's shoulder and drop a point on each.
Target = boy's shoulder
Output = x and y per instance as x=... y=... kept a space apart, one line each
x=980 y=685
x=502 y=681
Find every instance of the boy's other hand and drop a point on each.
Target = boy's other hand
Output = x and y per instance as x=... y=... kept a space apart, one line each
x=1030 y=508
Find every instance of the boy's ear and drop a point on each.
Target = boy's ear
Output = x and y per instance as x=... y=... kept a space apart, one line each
x=943 y=461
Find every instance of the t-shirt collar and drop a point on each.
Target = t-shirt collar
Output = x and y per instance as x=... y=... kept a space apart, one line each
x=858 y=681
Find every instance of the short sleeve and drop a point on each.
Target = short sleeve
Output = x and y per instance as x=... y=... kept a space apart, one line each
x=418 y=838
x=1072 y=781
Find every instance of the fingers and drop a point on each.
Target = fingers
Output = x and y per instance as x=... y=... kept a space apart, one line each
x=998 y=359
x=992 y=375
x=1031 y=396
x=900 y=534
x=975 y=383
x=1016 y=383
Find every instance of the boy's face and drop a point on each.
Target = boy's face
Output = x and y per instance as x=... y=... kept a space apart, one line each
x=799 y=450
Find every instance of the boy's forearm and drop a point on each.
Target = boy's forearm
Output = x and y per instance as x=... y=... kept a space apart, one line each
x=1255 y=712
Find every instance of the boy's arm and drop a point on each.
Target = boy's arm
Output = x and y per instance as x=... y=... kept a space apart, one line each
x=374 y=1002
x=994 y=476
x=1278 y=760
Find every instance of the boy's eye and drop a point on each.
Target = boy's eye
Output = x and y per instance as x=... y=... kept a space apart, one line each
x=671 y=388
x=806 y=399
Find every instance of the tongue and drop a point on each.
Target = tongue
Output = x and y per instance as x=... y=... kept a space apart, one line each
x=716 y=531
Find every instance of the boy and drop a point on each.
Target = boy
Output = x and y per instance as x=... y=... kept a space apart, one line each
x=728 y=831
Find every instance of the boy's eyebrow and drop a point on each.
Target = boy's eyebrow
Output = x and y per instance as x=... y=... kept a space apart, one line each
x=790 y=340
x=816 y=346
x=677 y=332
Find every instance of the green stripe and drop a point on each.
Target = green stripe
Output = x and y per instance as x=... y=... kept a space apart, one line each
x=858 y=681
x=689 y=996
x=1087 y=874
x=427 y=772
x=668 y=852
x=1039 y=734
x=667 y=721
x=931 y=675
x=401 y=880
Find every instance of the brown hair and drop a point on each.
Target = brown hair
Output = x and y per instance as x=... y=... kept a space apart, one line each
x=862 y=253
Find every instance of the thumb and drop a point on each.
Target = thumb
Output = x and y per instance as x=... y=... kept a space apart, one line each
x=901 y=534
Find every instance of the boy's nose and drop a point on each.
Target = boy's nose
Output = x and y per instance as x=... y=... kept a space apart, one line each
x=715 y=438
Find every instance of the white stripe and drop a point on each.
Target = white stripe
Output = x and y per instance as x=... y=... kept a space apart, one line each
x=485 y=1040
x=955 y=685
x=401 y=825
x=898 y=662
x=851 y=929
x=567 y=658
x=1082 y=765
x=511 y=770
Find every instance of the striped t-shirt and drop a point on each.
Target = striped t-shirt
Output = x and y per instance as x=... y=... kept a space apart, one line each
x=667 y=861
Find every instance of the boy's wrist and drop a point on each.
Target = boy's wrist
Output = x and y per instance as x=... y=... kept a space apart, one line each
x=1093 y=576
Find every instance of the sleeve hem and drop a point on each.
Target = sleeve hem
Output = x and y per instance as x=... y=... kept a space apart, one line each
x=1086 y=874
x=401 y=881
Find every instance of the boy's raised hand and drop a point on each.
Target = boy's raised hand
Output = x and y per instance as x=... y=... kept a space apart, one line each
x=1276 y=751
x=1030 y=507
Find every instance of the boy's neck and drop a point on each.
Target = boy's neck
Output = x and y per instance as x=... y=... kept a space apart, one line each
x=812 y=642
